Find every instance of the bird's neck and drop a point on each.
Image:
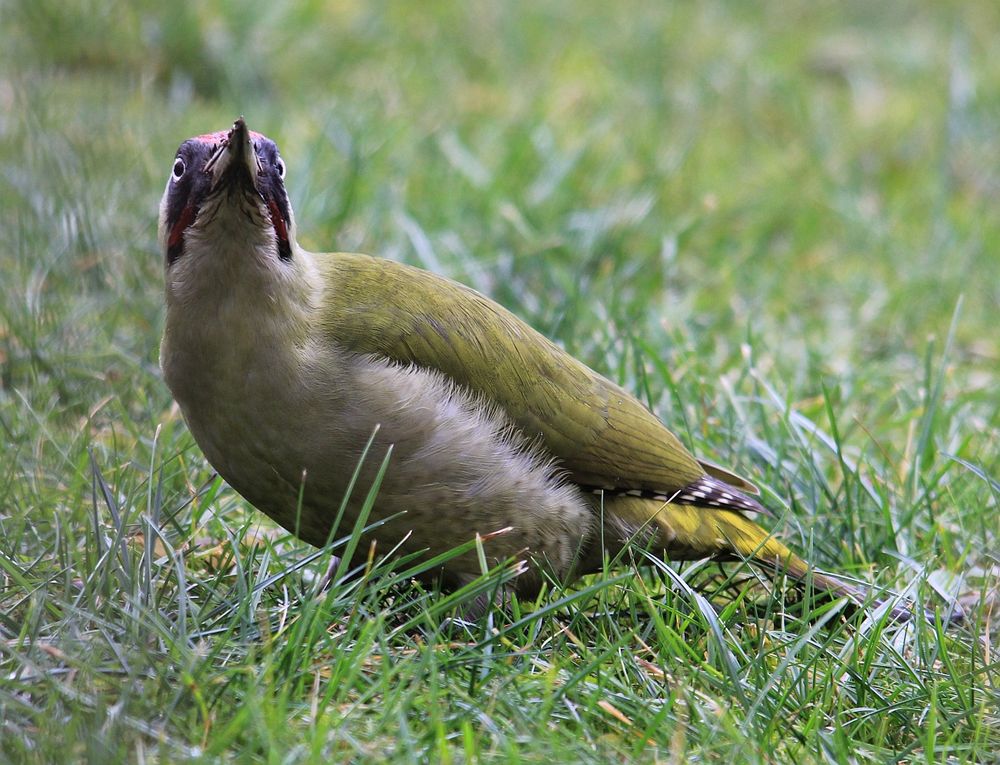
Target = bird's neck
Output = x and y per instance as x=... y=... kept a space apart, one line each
x=247 y=313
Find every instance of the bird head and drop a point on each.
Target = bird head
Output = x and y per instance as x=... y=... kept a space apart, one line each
x=225 y=213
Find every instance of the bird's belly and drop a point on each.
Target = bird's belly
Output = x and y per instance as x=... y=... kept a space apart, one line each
x=453 y=468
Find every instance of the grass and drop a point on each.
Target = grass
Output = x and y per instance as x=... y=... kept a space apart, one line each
x=776 y=224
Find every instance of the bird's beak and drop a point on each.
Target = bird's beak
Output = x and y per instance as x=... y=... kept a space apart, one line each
x=234 y=164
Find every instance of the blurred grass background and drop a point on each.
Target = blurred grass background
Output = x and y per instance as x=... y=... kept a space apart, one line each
x=776 y=223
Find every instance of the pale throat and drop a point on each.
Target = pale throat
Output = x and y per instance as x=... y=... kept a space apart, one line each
x=230 y=294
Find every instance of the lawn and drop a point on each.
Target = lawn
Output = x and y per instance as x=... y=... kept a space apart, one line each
x=776 y=224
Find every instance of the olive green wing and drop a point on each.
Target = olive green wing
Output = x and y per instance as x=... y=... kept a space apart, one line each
x=601 y=434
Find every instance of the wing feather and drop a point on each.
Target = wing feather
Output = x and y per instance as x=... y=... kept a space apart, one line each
x=602 y=435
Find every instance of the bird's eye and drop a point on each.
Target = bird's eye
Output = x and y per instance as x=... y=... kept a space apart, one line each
x=179 y=168
x=281 y=168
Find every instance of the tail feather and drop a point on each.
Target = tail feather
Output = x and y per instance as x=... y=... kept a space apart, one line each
x=689 y=532
x=748 y=540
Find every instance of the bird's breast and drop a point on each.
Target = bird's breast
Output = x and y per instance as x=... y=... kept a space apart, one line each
x=253 y=405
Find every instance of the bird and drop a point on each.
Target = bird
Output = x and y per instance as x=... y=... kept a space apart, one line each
x=298 y=372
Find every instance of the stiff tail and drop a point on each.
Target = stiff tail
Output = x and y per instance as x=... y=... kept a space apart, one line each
x=748 y=540
x=689 y=532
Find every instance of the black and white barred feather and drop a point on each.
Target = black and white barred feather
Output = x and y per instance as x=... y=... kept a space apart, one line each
x=703 y=492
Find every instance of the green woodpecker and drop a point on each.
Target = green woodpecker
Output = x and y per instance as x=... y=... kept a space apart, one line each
x=285 y=362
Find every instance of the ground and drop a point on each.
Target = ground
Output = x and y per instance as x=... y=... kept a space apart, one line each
x=777 y=225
